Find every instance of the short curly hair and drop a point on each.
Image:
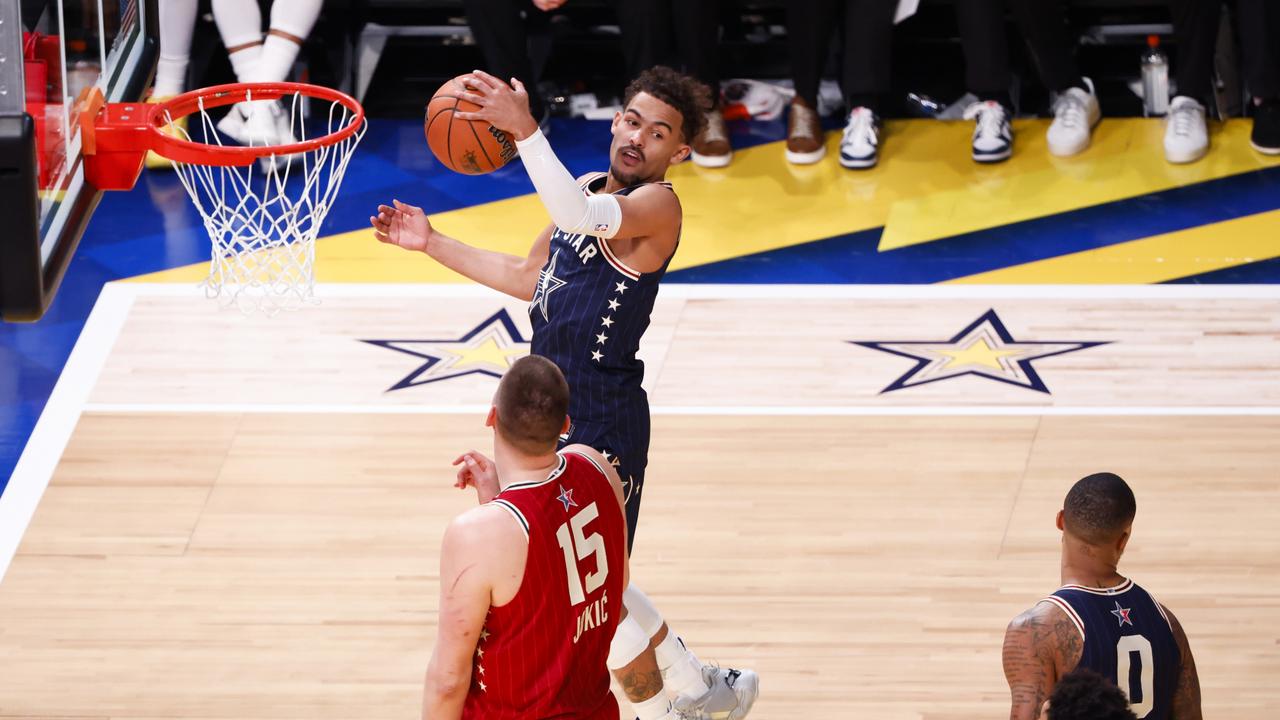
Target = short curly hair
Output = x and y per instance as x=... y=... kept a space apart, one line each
x=689 y=97
x=1083 y=694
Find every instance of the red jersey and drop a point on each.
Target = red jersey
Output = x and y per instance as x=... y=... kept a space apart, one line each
x=542 y=655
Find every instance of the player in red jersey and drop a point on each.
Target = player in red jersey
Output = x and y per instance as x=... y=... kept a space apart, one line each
x=531 y=581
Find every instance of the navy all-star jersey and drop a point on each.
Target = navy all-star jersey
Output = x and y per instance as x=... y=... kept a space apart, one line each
x=1128 y=639
x=589 y=312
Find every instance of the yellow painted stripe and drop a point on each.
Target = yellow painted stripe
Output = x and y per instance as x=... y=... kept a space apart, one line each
x=1125 y=160
x=1155 y=259
x=925 y=188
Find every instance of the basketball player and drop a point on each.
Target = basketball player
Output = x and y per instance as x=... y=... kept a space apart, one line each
x=591 y=278
x=531 y=581
x=1083 y=694
x=1099 y=619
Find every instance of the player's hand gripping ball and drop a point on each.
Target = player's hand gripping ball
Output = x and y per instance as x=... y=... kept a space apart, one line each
x=471 y=147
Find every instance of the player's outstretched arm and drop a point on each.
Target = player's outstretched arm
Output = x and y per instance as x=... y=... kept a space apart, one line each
x=408 y=227
x=1040 y=645
x=467 y=569
x=1186 y=697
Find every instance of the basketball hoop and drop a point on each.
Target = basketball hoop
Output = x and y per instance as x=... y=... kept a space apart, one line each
x=262 y=204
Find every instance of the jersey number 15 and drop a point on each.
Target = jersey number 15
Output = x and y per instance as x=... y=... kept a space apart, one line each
x=582 y=546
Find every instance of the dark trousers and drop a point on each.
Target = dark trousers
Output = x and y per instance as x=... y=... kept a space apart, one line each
x=867 y=27
x=499 y=27
x=1043 y=24
x=1195 y=27
x=683 y=34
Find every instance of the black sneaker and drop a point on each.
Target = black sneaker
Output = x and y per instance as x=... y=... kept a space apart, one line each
x=1266 y=128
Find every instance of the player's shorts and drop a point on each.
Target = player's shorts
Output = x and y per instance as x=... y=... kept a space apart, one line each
x=627 y=455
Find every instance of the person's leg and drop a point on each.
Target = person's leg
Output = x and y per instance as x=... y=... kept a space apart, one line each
x=809 y=27
x=291 y=22
x=646 y=27
x=868 y=34
x=1075 y=108
x=632 y=662
x=240 y=24
x=177 y=25
x=695 y=27
x=499 y=29
x=1195 y=30
x=986 y=55
x=1259 y=22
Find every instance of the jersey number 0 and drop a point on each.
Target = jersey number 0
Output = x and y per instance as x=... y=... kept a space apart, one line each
x=582 y=546
x=1125 y=648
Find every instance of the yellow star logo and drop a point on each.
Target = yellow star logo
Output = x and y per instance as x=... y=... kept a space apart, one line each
x=978 y=352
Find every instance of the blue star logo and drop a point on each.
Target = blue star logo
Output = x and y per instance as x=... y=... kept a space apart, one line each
x=487 y=349
x=985 y=348
x=547 y=284
x=566 y=498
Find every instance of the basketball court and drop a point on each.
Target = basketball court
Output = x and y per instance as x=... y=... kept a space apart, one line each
x=870 y=394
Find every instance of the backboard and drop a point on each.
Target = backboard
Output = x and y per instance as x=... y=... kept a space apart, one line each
x=51 y=51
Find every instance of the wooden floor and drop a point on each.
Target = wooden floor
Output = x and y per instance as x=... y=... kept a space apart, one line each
x=264 y=565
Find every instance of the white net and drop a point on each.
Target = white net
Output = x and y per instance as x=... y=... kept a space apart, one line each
x=263 y=218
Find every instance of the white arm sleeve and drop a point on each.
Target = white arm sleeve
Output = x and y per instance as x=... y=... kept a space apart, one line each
x=571 y=209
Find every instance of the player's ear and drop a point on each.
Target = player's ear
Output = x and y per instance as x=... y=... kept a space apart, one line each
x=617 y=118
x=1123 y=542
x=681 y=154
x=564 y=429
x=1061 y=525
x=492 y=419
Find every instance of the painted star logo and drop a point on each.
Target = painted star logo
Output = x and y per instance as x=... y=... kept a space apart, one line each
x=566 y=498
x=1122 y=614
x=547 y=284
x=487 y=349
x=985 y=348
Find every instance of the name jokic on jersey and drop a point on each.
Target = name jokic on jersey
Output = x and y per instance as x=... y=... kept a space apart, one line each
x=594 y=616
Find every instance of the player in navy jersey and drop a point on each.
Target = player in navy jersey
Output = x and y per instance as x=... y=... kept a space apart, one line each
x=531 y=581
x=1101 y=620
x=591 y=278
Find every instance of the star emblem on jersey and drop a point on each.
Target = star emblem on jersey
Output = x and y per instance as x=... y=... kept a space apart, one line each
x=985 y=348
x=486 y=349
x=547 y=284
x=1122 y=614
x=620 y=288
x=613 y=304
x=566 y=498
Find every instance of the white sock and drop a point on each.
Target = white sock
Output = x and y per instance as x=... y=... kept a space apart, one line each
x=657 y=707
x=240 y=23
x=276 y=60
x=177 y=25
x=295 y=17
x=681 y=669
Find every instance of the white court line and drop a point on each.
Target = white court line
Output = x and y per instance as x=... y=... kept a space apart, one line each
x=48 y=440
x=714 y=410
x=52 y=431
x=681 y=291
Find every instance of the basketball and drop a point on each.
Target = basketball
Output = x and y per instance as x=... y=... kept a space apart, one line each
x=470 y=147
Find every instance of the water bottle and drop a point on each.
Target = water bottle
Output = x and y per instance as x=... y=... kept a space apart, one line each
x=1155 y=78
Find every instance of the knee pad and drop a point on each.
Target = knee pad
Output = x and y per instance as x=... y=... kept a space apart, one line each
x=628 y=642
x=642 y=610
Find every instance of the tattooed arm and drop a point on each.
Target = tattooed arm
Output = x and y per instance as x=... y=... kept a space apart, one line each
x=1186 y=697
x=1040 y=646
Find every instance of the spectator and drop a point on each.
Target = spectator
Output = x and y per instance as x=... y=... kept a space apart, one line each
x=1075 y=105
x=1195 y=24
x=1085 y=695
x=683 y=34
x=867 y=26
x=177 y=25
x=501 y=29
x=255 y=59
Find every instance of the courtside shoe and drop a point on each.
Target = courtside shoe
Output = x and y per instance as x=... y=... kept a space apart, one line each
x=1186 y=137
x=806 y=143
x=860 y=142
x=1075 y=113
x=711 y=148
x=992 y=136
x=256 y=124
x=1265 y=137
x=730 y=695
x=177 y=129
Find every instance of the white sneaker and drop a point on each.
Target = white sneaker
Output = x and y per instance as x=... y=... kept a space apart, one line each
x=1075 y=112
x=860 y=143
x=992 y=135
x=1186 y=137
x=257 y=124
x=730 y=697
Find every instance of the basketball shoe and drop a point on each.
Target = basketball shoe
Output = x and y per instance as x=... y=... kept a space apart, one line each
x=730 y=695
x=860 y=142
x=992 y=135
x=257 y=124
